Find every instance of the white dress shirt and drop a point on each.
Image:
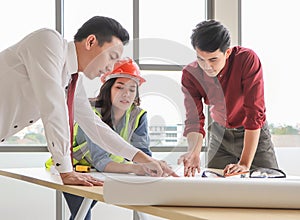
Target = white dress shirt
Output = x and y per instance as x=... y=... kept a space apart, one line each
x=34 y=74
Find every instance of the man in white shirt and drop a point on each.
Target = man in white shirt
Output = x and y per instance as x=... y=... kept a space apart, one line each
x=34 y=74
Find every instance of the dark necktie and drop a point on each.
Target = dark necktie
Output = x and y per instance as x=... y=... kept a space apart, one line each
x=70 y=101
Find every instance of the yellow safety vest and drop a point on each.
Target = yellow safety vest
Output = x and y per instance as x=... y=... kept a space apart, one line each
x=81 y=154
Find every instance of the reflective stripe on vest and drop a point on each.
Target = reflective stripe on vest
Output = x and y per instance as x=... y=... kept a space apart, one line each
x=132 y=119
x=81 y=154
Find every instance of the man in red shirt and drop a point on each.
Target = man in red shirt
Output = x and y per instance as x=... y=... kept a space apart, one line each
x=230 y=81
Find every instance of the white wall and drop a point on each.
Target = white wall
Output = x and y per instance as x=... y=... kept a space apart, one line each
x=22 y=200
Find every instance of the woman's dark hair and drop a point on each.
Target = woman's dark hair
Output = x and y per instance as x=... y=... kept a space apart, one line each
x=103 y=28
x=210 y=36
x=103 y=101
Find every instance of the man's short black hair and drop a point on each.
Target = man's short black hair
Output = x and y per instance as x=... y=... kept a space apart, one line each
x=210 y=36
x=104 y=28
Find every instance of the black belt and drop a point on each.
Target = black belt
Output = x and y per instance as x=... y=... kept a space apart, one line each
x=230 y=129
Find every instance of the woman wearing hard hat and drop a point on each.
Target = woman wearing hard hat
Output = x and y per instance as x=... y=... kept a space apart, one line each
x=118 y=106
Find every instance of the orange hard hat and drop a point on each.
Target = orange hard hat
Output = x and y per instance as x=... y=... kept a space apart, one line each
x=124 y=68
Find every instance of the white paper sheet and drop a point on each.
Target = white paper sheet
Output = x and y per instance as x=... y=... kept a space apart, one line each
x=218 y=192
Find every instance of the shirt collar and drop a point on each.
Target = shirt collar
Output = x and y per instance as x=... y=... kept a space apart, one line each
x=228 y=63
x=225 y=68
x=72 y=64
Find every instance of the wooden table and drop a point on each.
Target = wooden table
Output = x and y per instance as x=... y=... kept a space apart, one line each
x=42 y=177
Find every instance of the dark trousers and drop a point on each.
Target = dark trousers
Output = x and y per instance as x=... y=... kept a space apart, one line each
x=74 y=203
x=226 y=145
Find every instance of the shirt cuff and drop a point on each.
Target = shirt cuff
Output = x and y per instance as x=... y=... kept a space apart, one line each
x=101 y=164
x=65 y=166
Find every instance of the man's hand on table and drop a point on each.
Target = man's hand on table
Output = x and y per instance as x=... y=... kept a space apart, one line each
x=191 y=162
x=75 y=178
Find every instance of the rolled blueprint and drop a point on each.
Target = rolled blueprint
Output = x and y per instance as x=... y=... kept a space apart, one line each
x=216 y=192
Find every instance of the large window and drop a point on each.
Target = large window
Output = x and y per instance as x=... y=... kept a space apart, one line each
x=270 y=29
x=160 y=42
